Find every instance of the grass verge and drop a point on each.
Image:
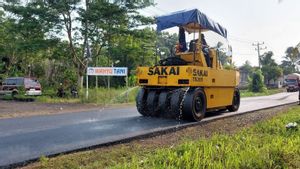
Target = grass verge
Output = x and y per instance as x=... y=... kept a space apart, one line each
x=246 y=93
x=118 y=95
x=96 y=96
x=267 y=144
x=21 y=98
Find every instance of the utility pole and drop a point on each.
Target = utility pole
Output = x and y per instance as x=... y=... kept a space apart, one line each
x=258 y=49
x=298 y=46
x=88 y=54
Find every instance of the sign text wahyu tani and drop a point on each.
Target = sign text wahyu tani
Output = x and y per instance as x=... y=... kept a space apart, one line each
x=107 y=71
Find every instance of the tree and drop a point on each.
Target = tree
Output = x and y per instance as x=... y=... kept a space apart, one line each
x=63 y=14
x=270 y=68
x=246 y=72
x=223 y=56
x=109 y=21
x=48 y=39
x=257 y=82
x=128 y=51
x=112 y=31
x=166 y=43
x=289 y=64
x=287 y=67
x=40 y=22
x=25 y=36
x=247 y=68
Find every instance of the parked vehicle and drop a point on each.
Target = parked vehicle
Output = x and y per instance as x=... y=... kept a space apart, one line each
x=21 y=85
x=291 y=82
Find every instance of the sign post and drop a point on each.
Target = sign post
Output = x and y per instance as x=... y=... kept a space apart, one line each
x=127 y=88
x=87 y=86
x=107 y=71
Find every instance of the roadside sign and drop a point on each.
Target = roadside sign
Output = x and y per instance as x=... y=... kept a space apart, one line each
x=107 y=71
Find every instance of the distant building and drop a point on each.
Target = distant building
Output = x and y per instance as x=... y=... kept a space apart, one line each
x=244 y=76
x=276 y=83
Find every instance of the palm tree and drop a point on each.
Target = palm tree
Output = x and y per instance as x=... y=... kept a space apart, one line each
x=293 y=55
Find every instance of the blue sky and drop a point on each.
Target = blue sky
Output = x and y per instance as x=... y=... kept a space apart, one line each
x=247 y=21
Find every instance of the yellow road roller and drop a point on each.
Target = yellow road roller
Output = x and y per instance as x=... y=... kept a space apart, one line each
x=192 y=82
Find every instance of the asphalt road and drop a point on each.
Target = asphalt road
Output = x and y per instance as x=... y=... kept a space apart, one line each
x=27 y=138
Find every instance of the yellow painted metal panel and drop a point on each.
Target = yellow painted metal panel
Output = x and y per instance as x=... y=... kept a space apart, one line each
x=197 y=76
x=218 y=97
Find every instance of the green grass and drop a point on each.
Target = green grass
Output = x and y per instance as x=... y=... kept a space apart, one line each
x=17 y=98
x=267 y=144
x=96 y=96
x=6 y=97
x=246 y=93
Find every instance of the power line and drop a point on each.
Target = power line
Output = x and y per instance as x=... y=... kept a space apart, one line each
x=151 y=12
x=241 y=41
x=147 y=12
x=298 y=46
x=248 y=54
x=161 y=10
x=244 y=39
x=258 y=49
x=156 y=11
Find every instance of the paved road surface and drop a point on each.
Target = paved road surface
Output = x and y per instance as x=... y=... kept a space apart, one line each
x=28 y=138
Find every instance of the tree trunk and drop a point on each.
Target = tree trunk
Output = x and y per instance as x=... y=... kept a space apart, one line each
x=80 y=80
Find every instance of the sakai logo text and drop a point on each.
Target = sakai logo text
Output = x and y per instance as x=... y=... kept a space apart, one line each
x=163 y=71
x=200 y=73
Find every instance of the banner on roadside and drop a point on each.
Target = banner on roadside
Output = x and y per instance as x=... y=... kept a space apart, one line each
x=107 y=71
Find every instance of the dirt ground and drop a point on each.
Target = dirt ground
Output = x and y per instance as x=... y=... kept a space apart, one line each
x=11 y=109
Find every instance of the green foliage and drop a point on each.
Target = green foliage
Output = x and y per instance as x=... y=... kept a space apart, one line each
x=32 y=38
x=289 y=63
x=287 y=67
x=132 y=80
x=246 y=73
x=257 y=82
x=101 y=96
x=110 y=96
x=1 y=71
x=223 y=56
x=44 y=160
x=166 y=43
x=270 y=69
x=247 y=93
x=230 y=66
x=247 y=68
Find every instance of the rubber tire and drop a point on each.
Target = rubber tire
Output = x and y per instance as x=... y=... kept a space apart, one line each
x=152 y=103
x=235 y=101
x=191 y=99
x=141 y=102
x=163 y=104
x=175 y=101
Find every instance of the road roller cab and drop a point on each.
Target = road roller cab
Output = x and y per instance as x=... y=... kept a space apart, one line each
x=192 y=82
